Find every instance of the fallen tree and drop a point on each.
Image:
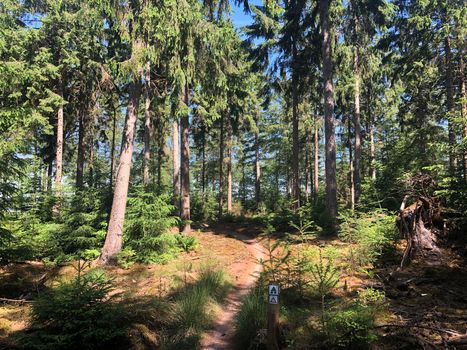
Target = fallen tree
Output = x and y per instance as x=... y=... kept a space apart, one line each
x=419 y=224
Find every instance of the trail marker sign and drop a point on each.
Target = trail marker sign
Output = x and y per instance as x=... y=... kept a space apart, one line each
x=273 y=299
x=273 y=317
x=273 y=289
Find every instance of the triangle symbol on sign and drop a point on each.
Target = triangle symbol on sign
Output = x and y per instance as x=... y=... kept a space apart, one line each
x=273 y=300
x=273 y=290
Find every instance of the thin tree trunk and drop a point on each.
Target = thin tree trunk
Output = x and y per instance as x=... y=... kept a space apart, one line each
x=295 y=140
x=357 y=129
x=316 y=161
x=176 y=162
x=112 y=149
x=160 y=149
x=229 y=165
x=450 y=105
x=114 y=239
x=463 y=97
x=372 y=152
x=221 y=167
x=91 y=162
x=147 y=125
x=351 y=171
x=329 y=120
x=307 y=166
x=257 y=166
x=80 y=155
x=49 y=176
x=203 y=167
x=185 y=169
x=59 y=158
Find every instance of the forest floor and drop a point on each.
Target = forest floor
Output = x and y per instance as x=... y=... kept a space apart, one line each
x=233 y=250
x=426 y=301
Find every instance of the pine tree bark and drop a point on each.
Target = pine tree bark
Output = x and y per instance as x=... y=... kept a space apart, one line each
x=80 y=155
x=450 y=105
x=357 y=168
x=463 y=96
x=329 y=120
x=59 y=156
x=221 y=167
x=203 y=166
x=295 y=136
x=147 y=125
x=307 y=166
x=316 y=161
x=112 y=149
x=372 y=153
x=176 y=163
x=352 y=185
x=185 y=169
x=229 y=165
x=257 y=165
x=114 y=239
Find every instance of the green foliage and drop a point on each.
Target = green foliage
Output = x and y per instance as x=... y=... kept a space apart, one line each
x=204 y=208
x=351 y=326
x=75 y=315
x=372 y=232
x=147 y=222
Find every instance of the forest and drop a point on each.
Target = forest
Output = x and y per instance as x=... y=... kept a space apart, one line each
x=163 y=161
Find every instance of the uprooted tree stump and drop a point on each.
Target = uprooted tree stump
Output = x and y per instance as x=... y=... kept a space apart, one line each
x=419 y=225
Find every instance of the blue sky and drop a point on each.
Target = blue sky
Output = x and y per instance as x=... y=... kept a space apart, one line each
x=239 y=18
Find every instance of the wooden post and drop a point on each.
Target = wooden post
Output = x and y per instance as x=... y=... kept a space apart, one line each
x=273 y=317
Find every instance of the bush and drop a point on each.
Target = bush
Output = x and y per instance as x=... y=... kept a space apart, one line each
x=75 y=315
x=372 y=232
x=351 y=326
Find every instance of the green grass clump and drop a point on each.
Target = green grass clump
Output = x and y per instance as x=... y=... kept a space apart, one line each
x=251 y=318
x=193 y=305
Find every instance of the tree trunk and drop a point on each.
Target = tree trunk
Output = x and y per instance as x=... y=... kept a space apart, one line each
x=112 y=149
x=80 y=155
x=147 y=125
x=59 y=158
x=295 y=125
x=316 y=161
x=203 y=167
x=257 y=166
x=185 y=169
x=329 y=120
x=229 y=165
x=357 y=129
x=91 y=162
x=221 y=167
x=176 y=162
x=463 y=97
x=351 y=171
x=450 y=105
x=114 y=239
x=307 y=166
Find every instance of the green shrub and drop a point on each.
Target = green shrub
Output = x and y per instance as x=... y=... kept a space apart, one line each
x=373 y=233
x=75 y=315
x=251 y=318
x=351 y=327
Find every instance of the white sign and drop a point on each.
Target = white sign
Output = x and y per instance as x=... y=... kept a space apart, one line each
x=273 y=289
x=273 y=299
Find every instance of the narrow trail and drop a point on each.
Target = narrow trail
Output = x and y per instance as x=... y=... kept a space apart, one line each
x=245 y=272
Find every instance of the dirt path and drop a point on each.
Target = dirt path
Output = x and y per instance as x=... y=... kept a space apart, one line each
x=245 y=272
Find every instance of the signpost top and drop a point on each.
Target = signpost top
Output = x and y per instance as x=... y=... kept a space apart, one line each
x=273 y=289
